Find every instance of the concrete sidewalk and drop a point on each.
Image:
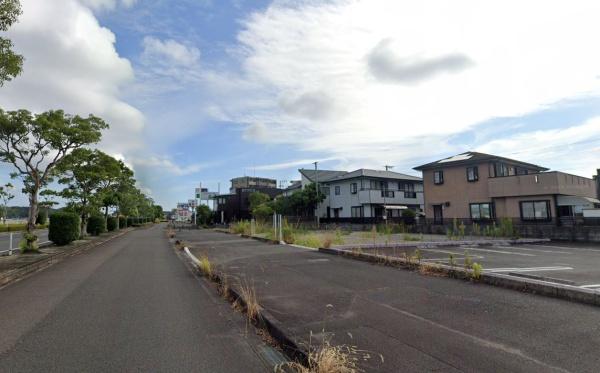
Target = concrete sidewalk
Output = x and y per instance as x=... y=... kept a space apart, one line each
x=129 y=305
x=417 y=322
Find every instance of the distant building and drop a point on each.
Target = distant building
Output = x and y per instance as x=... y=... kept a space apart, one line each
x=246 y=182
x=235 y=206
x=480 y=187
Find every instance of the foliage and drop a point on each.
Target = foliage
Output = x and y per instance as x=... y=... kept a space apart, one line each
x=205 y=266
x=5 y=196
x=300 y=203
x=262 y=212
x=122 y=222
x=28 y=244
x=64 y=228
x=308 y=240
x=111 y=223
x=96 y=225
x=240 y=227
x=36 y=144
x=477 y=270
x=11 y=63
x=204 y=215
x=468 y=261
x=408 y=216
x=42 y=218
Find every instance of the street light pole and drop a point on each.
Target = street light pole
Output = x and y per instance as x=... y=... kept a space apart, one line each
x=317 y=189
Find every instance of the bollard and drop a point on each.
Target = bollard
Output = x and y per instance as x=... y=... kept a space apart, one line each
x=10 y=245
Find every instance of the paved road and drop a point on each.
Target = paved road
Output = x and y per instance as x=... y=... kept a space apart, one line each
x=419 y=323
x=5 y=238
x=130 y=305
x=569 y=263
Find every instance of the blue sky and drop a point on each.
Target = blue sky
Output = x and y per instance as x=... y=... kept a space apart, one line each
x=201 y=91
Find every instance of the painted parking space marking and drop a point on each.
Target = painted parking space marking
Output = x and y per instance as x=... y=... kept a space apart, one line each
x=566 y=247
x=497 y=251
x=450 y=253
x=534 y=250
x=528 y=269
x=590 y=286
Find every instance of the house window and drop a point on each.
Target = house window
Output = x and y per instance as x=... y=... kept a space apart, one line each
x=438 y=177
x=481 y=211
x=535 y=210
x=521 y=171
x=337 y=190
x=357 y=211
x=324 y=190
x=353 y=188
x=500 y=169
x=409 y=190
x=387 y=193
x=472 y=173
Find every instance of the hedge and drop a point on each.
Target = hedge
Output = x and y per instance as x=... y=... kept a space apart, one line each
x=111 y=223
x=42 y=218
x=96 y=225
x=64 y=228
x=122 y=222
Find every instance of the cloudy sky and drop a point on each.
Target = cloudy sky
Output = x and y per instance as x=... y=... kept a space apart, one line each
x=206 y=90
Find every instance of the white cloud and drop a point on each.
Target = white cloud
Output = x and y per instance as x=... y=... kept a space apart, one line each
x=161 y=165
x=72 y=65
x=575 y=149
x=290 y=164
x=170 y=52
x=369 y=80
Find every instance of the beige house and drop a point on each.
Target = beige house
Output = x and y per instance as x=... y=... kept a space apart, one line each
x=482 y=187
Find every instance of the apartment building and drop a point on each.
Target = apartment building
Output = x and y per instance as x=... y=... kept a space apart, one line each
x=369 y=195
x=482 y=187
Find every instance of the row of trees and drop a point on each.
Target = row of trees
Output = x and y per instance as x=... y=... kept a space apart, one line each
x=52 y=146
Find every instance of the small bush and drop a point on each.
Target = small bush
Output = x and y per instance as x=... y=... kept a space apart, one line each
x=408 y=216
x=29 y=243
x=64 y=228
x=241 y=227
x=205 y=266
x=468 y=263
x=477 y=269
x=112 y=223
x=122 y=222
x=42 y=218
x=96 y=225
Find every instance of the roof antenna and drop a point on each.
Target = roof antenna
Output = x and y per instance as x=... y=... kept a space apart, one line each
x=387 y=168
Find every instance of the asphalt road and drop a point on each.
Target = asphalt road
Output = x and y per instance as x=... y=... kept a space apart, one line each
x=418 y=323
x=565 y=262
x=129 y=305
x=17 y=236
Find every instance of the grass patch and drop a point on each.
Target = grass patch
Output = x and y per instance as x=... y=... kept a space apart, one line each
x=252 y=307
x=205 y=266
x=477 y=269
x=329 y=358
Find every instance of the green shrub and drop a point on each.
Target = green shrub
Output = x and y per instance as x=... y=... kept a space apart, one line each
x=29 y=243
x=42 y=218
x=477 y=270
x=408 y=216
x=241 y=227
x=96 y=225
x=122 y=222
x=130 y=221
x=64 y=228
x=111 y=223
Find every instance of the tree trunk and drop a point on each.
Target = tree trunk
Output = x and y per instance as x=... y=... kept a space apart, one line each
x=83 y=226
x=33 y=208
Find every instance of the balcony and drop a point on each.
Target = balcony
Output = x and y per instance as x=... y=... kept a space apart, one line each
x=541 y=184
x=376 y=196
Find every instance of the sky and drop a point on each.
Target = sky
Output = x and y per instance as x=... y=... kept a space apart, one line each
x=201 y=91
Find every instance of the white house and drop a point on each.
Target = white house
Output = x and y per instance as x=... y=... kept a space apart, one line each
x=368 y=193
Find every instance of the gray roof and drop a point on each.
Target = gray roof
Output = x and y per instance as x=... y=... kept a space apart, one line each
x=296 y=184
x=473 y=157
x=380 y=174
x=321 y=175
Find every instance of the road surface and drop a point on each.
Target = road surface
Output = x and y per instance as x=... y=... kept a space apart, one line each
x=418 y=323
x=129 y=305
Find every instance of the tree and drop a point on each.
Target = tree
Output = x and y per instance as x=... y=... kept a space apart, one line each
x=36 y=144
x=11 y=63
x=5 y=196
x=158 y=212
x=300 y=203
x=203 y=215
x=85 y=173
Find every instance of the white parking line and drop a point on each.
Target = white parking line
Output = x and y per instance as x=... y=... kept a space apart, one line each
x=534 y=250
x=590 y=286
x=566 y=247
x=454 y=253
x=497 y=251
x=529 y=269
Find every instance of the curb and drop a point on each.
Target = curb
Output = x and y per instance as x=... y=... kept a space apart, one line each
x=23 y=272
x=265 y=320
x=539 y=287
x=426 y=244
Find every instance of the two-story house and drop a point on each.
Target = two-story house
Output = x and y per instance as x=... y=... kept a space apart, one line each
x=482 y=187
x=370 y=195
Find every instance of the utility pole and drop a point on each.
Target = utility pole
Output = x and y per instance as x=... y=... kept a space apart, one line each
x=387 y=168
x=317 y=189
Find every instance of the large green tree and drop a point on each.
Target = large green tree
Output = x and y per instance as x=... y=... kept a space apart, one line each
x=11 y=63
x=5 y=196
x=36 y=144
x=84 y=172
